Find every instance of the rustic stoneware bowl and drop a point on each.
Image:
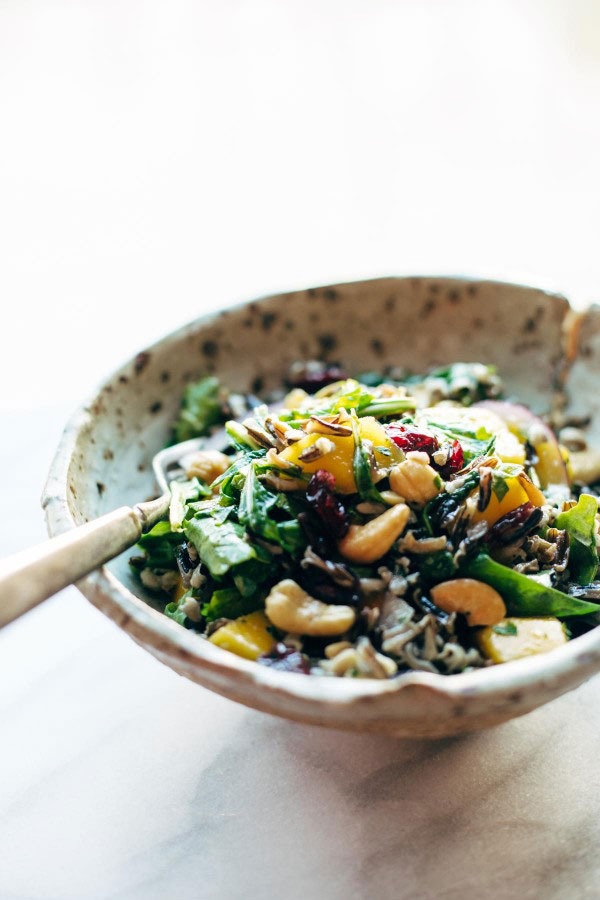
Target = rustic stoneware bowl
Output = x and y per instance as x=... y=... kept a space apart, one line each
x=104 y=461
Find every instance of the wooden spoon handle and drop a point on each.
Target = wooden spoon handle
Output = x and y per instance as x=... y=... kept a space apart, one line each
x=33 y=575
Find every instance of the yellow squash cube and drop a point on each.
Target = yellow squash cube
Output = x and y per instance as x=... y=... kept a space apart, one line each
x=529 y=638
x=340 y=460
x=247 y=636
x=515 y=496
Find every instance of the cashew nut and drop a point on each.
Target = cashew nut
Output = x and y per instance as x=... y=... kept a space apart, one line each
x=290 y=608
x=206 y=465
x=480 y=603
x=415 y=480
x=332 y=650
x=574 y=439
x=368 y=542
x=585 y=465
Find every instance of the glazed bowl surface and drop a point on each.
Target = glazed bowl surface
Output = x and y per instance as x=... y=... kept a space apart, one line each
x=104 y=461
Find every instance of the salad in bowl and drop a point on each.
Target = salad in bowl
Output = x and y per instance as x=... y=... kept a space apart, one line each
x=366 y=526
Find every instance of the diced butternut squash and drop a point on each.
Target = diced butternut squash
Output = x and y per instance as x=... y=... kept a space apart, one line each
x=247 y=636
x=339 y=461
x=372 y=430
x=516 y=638
x=520 y=490
x=515 y=496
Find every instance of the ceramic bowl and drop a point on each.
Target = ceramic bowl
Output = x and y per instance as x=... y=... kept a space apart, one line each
x=104 y=458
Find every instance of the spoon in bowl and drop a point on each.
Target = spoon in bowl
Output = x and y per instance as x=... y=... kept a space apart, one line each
x=32 y=575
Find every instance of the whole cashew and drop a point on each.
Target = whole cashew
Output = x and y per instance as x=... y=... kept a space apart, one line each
x=480 y=603
x=291 y=609
x=368 y=542
x=585 y=465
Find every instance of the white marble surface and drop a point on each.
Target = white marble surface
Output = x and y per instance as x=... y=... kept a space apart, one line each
x=161 y=159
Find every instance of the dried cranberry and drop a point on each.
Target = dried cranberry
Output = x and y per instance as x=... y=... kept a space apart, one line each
x=455 y=460
x=313 y=530
x=314 y=374
x=408 y=439
x=285 y=659
x=515 y=524
x=327 y=506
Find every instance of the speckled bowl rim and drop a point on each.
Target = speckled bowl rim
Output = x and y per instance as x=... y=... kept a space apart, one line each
x=569 y=665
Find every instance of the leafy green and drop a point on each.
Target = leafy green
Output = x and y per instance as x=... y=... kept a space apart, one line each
x=200 y=410
x=228 y=603
x=507 y=628
x=175 y=611
x=446 y=503
x=499 y=486
x=220 y=545
x=361 y=466
x=256 y=505
x=240 y=437
x=524 y=596
x=580 y=524
x=382 y=407
x=226 y=481
x=159 y=546
x=500 y=474
x=466 y=382
x=249 y=576
x=353 y=395
x=182 y=493
x=217 y=506
x=474 y=442
x=436 y=567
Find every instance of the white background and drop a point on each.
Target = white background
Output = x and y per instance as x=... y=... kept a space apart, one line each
x=158 y=160
x=161 y=159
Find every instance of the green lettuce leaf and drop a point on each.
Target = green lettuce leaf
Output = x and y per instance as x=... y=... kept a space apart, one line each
x=580 y=524
x=159 y=546
x=522 y=595
x=474 y=443
x=228 y=481
x=220 y=545
x=353 y=395
x=228 y=603
x=200 y=410
x=256 y=505
x=182 y=493
x=467 y=382
x=174 y=610
x=361 y=467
